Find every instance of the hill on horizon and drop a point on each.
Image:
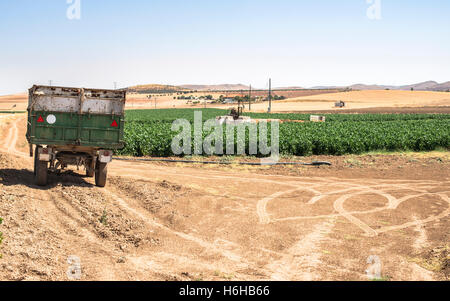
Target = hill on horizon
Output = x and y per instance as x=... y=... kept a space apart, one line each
x=222 y=87
x=158 y=88
x=152 y=88
x=423 y=86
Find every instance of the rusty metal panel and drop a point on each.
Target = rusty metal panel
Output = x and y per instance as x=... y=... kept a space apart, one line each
x=74 y=100
x=56 y=104
x=102 y=106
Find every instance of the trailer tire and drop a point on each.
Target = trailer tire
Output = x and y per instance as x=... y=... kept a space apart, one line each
x=36 y=160
x=101 y=173
x=90 y=170
x=41 y=173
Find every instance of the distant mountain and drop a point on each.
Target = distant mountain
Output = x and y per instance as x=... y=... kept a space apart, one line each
x=224 y=87
x=420 y=86
x=441 y=87
x=152 y=88
x=371 y=87
x=156 y=88
x=424 y=86
x=289 y=88
x=327 y=87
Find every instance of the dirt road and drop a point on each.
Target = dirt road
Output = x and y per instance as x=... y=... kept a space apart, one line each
x=179 y=222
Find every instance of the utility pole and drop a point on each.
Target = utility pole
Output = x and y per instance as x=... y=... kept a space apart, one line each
x=50 y=82
x=115 y=85
x=250 y=98
x=270 y=95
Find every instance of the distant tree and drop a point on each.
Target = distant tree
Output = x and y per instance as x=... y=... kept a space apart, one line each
x=277 y=97
x=412 y=89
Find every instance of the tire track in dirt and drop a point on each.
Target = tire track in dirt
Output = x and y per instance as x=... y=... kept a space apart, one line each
x=7 y=141
x=13 y=136
x=81 y=241
x=420 y=222
x=9 y=144
x=261 y=206
x=303 y=258
x=149 y=220
x=234 y=255
x=421 y=242
x=44 y=211
x=393 y=204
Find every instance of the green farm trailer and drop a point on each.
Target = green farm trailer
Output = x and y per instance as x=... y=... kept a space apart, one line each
x=74 y=126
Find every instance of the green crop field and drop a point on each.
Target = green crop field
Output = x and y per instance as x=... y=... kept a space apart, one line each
x=12 y=112
x=148 y=132
x=169 y=115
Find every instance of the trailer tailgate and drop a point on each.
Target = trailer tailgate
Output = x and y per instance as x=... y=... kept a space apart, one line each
x=72 y=116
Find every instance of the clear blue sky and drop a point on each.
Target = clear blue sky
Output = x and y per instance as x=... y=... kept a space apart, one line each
x=301 y=43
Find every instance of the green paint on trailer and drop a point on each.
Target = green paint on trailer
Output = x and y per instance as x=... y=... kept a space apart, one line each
x=77 y=129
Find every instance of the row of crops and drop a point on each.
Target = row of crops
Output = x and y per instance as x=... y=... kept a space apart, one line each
x=149 y=133
x=169 y=115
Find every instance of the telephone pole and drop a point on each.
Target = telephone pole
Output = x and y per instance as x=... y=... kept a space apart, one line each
x=250 y=98
x=115 y=85
x=270 y=95
x=50 y=82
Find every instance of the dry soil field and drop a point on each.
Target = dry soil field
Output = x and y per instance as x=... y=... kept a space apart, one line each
x=356 y=100
x=20 y=101
x=360 y=100
x=180 y=222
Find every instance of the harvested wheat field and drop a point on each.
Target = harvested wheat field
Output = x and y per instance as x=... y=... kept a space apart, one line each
x=386 y=98
x=360 y=100
x=320 y=102
x=16 y=102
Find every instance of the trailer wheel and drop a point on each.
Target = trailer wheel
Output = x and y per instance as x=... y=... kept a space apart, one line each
x=90 y=170
x=101 y=173
x=90 y=173
x=41 y=173
x=40 y=169
x=36 y=160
